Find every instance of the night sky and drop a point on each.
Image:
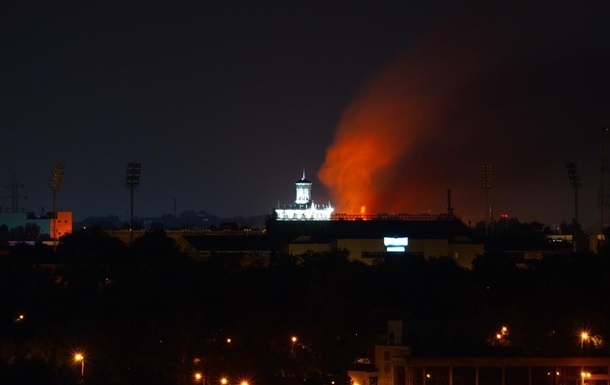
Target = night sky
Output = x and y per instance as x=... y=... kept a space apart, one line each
x=224 y=105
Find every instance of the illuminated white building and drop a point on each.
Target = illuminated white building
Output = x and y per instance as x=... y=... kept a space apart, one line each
x=303 y=208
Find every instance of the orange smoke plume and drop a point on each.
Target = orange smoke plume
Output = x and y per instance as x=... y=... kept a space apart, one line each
x=387 y=148
x=381 y=125
x=487 y=85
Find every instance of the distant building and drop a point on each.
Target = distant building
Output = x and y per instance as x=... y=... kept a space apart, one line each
x=50 y=226
x=303 y=208
x=397 y=364
x=372 y=238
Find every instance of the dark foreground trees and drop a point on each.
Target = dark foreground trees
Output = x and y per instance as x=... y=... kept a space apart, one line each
x=145 y=313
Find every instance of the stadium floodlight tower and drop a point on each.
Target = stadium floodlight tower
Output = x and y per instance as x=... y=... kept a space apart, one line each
x=576 y=183
x=486 y=182
x=604 y=180
x=57 y=177
x=132 y=180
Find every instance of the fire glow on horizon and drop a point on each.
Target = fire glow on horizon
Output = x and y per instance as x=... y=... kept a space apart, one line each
x=426 y=121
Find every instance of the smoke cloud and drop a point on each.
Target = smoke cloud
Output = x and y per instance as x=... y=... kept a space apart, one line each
x=485 y=86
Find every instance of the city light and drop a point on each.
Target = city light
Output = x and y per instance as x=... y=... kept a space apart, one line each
x=224 y=381
x=79 y=357
x=584 y=337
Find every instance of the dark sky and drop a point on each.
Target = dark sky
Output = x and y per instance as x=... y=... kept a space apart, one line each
x=225 y=104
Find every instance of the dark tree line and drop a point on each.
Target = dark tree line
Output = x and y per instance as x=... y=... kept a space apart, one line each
x=145 y=313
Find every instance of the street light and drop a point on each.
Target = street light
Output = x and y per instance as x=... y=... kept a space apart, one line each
x=583 y=376
x=584 y=336
x=78 y=357
x=199 y=377
x=294 y=340
x=224 y=381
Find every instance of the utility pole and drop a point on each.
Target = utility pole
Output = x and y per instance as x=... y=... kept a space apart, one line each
x=15 y=195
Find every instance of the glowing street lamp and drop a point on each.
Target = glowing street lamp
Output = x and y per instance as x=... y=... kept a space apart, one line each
x=199 y=378
x=78 y=357
x=224 y=381
x=584 y=376
x=293 y=341
x=584 y=336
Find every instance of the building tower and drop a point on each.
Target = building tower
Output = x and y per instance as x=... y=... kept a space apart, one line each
x=303 y=187
x=486 y=181
x=303 y=208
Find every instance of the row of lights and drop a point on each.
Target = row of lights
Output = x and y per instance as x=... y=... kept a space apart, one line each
x=79 y=357
x=200 y=378
x=223 y=381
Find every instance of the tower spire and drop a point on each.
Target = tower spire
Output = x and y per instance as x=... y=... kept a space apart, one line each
x=303 y=178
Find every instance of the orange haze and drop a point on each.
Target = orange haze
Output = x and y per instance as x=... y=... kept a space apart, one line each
x=400 y=109
x=485 y=86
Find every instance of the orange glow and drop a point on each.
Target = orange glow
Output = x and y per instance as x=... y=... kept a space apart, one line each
x=368 y=163
x=420 y=125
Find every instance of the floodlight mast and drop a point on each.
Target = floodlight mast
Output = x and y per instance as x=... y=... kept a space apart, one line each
x=486 y=182
x=57 y=177
x=132 y=180
x=576 y=183
x=604 y=179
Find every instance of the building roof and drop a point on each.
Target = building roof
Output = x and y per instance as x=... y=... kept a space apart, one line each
x=369 y=229
x=230 y=243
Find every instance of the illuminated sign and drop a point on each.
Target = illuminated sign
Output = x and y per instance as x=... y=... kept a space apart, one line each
x=395 y=245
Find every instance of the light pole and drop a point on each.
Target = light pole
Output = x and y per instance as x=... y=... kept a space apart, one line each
x=486 y=182
x=584 y=336
x=199 y=377
x=132 y=180
x=576 y=183
x=293 y=341
x=78 y=357
x=57 y=177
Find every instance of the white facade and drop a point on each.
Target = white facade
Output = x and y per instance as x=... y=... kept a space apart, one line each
x=303 y=208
